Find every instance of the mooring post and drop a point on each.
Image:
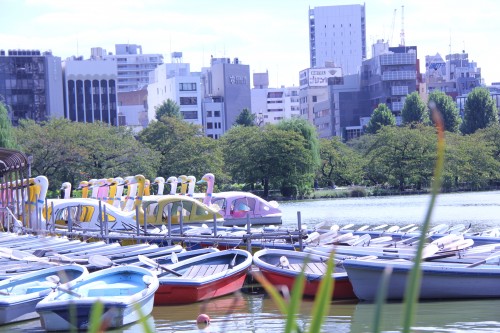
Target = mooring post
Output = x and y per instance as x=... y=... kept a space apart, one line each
x=249 y=234
x=299 y=225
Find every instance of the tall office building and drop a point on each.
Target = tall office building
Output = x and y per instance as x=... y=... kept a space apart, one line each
x=31 y=85
x=337 y=34
x=227 y=88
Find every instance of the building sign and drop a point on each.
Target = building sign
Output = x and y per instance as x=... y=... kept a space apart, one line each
x=318 y=77
x=237 y=79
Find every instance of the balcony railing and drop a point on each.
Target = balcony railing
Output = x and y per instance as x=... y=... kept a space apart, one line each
x=399 y=75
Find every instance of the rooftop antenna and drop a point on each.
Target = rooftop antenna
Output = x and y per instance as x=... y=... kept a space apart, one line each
x=402 y=26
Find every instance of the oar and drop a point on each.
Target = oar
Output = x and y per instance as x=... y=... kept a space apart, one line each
x=55 y=279
x=480 y=262
x=147 y=261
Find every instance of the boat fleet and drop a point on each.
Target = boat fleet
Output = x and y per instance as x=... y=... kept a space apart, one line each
x=105 y=206
x=60 y=257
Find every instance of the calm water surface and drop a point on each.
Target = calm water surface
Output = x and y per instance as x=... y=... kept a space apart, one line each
x=255 y=312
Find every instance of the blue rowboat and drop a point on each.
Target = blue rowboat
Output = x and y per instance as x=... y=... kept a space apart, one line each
x=126 y=292
x=20 y=294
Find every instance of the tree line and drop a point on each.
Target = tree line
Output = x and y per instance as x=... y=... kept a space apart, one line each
x=286 y=157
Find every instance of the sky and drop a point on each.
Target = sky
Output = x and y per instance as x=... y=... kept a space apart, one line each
x=267 y=35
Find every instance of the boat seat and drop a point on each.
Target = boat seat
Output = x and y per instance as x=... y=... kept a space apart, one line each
x=312 y=267
x=198 y=271
x=36 y=289
x=111 y=292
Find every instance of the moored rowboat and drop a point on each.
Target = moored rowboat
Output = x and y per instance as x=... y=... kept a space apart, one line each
x=281 y=268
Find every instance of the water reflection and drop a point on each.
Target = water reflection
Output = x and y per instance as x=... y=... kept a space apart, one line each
x=247 y=313
x=34 y=326
x=449 y=316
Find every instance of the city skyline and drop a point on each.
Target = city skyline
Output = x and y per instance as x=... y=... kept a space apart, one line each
x=270 y=36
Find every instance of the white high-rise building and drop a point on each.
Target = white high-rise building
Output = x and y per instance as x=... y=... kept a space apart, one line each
x=133 y=67
x=337 y=34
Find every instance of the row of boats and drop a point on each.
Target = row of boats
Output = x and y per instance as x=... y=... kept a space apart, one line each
x=106 y=207
x=60 y=279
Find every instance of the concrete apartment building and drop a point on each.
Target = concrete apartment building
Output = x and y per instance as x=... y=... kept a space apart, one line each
x=133 y=67
x=90 y=93
x=270 y=105
x=175 y=81
x=31 y=85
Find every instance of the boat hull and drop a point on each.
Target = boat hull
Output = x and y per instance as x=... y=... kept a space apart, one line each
x=184 y=293
x=18 y=311
x=76 y=315
x=342 y=288
x=448 y=281
x=314 y=268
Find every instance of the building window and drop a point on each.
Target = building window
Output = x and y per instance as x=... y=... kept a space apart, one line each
x=275 y=94
x=187 y=86
x=210 y=125
x=209 y=113
x=188 y=101
x=315 y=99
x=216 y=113
x=190 y=114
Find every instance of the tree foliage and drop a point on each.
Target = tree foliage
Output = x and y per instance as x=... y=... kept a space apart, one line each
x=448 y=109
x=402 y=157
x=182 y=149
x=414 y=110
x=480 y=111
x=245 y=118
x=270 y=156
x=340 y=165
x=71 y=151
x=168 y=108
x=381 y=116
x=6 y=129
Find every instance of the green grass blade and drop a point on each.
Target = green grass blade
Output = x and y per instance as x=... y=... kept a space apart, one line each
x=296 y=300
x=95 y=317
x=271 y=290
x=323 y=299
x=414 y=280
x=143 y=320
x=381 y=296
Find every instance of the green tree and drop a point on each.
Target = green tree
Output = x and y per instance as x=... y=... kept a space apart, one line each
x=245 y=118
x=414 y=110
x=340 y=164
x=480 y=111
x=402 y=156
x=168 y=108
x=448 y=109
x=469 y=162
x=309 y=133
x=6 y=130
x=71 y=151
x=270 y=156
x=183 y=149
x=381 y=116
